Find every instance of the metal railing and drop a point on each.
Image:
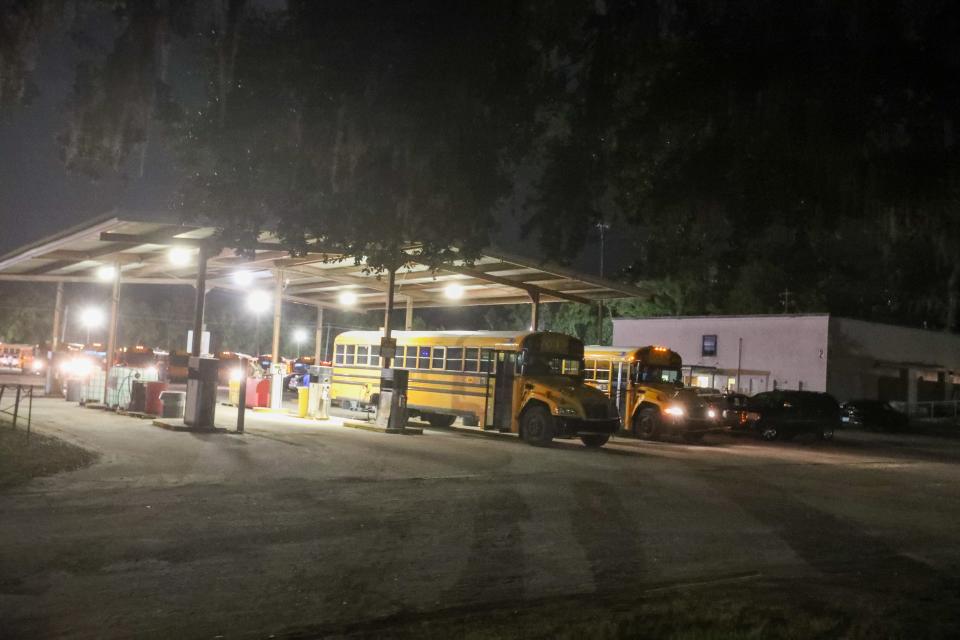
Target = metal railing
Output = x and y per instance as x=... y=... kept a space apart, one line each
x=20 y=392
x=930 y=409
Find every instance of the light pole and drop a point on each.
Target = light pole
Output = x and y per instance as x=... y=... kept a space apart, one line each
x=258 y=301
x=91 y=318
x=299 y=336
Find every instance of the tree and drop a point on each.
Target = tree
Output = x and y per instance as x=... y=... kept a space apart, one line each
x=372 y=130
x=731 y=135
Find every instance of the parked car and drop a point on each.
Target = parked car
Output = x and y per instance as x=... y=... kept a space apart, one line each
x=784 y=414
x=732 y=409
x=873 y=414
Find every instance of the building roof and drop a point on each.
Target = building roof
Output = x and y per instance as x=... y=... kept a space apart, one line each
x=140 y=244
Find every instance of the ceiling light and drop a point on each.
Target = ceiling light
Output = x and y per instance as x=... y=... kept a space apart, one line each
x=179 y=256
x=347 y=298
x=453 y=291
x=106 y=273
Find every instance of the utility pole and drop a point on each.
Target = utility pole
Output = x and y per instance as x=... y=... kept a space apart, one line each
x=602 y=227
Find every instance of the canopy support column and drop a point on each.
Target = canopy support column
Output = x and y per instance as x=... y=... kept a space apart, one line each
x=198 y=303
x=276 y=386
x=54 y=338
x=534 y=311
x=112 y=331
x=318 y=340
x=277 y=316
x=388 y=314
x=408 y=321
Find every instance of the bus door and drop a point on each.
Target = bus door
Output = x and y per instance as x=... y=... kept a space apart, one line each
x=503 y=389
x=618 y=385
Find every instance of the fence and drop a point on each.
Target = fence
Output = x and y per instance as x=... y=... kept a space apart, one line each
x=931 y=410
x=20 y=392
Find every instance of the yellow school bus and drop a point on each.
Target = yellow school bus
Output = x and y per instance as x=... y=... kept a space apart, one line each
x=647 y=386
x=528 y=383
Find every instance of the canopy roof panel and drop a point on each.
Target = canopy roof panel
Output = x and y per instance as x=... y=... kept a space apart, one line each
x=141 y=246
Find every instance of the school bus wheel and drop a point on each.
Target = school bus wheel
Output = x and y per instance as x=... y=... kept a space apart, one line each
x=536 y=426
x=441 y=420
x=594 y=440
x=646 y=424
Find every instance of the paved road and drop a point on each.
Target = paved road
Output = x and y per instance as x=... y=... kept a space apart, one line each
x=318 y=527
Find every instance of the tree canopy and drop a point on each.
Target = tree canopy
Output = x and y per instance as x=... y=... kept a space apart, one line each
x=742 y=148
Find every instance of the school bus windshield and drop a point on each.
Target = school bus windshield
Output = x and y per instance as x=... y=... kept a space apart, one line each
x=655 y=374
x=551 y=364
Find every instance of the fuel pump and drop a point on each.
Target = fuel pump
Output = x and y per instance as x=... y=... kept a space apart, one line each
x=392 y=407
x=320 y=380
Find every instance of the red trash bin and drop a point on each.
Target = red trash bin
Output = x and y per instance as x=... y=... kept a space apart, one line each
x=153 y=406
x=258 y=393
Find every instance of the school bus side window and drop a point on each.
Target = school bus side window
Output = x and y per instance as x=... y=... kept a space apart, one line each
x=438 y=356
x=350 y=355
x=362 y=351
x=471 y=358
x=486 y=360
x=455 y=359
x=423 y=358
x=603 y=370
x=589 y=369
x=411 y=360
x=338 y=357
x=375 y=355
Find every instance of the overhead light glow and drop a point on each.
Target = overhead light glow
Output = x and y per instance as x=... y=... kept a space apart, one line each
x=259 y=301
x=92 y=317
x=347 y=298
x=106 y=273
x=179 y=256
x=243 y=278
x=453 y=291
x=300 y=335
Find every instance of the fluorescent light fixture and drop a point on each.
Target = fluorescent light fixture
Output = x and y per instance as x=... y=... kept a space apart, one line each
x=347 y=298
x=300 y=335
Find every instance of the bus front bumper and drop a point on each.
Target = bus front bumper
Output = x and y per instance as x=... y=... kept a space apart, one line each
x=692 y=425
x=581 y=426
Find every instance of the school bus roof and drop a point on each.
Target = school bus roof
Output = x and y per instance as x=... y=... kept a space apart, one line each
x=626 y=353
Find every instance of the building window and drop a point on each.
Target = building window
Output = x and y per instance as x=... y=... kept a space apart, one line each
x=709 y=346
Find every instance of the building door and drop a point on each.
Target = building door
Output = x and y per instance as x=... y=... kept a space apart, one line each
x=503 y=389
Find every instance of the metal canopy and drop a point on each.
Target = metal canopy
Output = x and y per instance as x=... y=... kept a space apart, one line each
x=141 y=247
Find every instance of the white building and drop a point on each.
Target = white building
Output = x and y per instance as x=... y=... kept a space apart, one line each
x=818 y=352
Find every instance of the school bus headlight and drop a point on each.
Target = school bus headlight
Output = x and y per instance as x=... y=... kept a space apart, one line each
x=711 y=413
x=674 y=410
x=567 y=411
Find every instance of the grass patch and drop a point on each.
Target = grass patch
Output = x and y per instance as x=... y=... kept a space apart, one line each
x=22 y=459
x=754 y=611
